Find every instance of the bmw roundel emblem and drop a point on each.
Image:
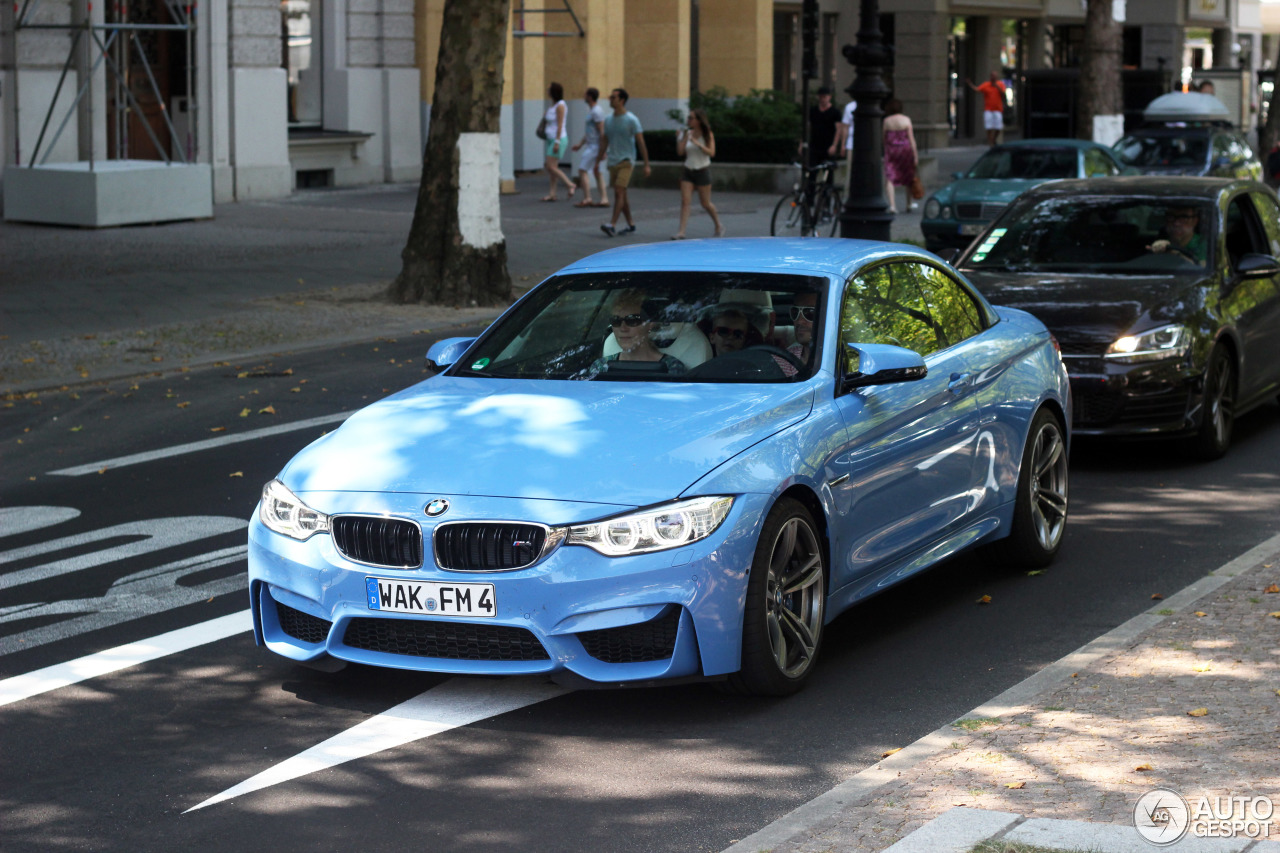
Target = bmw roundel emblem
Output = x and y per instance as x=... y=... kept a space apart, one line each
x=439 y=506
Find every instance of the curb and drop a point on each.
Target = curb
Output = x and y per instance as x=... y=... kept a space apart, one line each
x=862 y=785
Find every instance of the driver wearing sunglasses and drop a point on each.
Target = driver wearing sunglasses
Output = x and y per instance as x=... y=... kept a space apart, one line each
x=803 y=314
x=632 y=326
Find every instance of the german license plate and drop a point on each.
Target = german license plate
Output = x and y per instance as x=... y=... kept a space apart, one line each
x=425 y=597
x=971 y=228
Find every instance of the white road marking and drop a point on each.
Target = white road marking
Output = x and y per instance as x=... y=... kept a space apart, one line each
x=456 y=702
x=196 y=446
x=142 y=593
x=160 y=533
x=20 y=519
x=30 y=684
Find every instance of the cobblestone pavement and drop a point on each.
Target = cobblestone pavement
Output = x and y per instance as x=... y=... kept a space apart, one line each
x=1191 y=704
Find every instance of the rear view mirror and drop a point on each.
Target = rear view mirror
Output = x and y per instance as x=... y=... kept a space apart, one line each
x=882 y=364
x=446 y=351
x=1254 y=265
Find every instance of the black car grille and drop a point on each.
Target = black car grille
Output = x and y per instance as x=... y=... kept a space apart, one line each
x=302 y=626
x=976 y=210
x=389 y=542
x=449 y=640
x=487 y=546
x=1073 y=343
x=1096 y=410
x=652 y=640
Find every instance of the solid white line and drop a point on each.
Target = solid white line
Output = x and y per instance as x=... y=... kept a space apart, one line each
x=457 y=702
x=196 y=446
x=30 y=684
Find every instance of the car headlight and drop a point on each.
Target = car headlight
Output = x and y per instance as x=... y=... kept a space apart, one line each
x=1154 y=345
x=282 y=511
x=657 y=529
x=932 y=209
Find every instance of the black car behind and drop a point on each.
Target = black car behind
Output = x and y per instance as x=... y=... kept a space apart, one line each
x=1164 y=295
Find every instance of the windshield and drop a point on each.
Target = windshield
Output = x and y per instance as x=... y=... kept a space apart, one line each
x=1027 y=163
x=1157 y=150
x=657 y=327
x=1101 y=234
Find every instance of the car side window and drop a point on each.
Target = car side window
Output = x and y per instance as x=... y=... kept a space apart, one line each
x=1270 y=215
x=885 y=305
x=1244 y=232
x=951 y=305
x=1096 y=163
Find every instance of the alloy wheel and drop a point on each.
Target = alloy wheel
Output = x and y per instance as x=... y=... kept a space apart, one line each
x=794 y=597
x=1049 y=486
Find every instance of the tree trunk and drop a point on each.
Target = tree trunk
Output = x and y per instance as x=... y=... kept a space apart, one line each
x=1271 y=132
x=1100 y=88
x=456 y=254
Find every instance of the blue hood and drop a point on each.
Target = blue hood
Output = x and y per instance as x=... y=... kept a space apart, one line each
x=599 y=442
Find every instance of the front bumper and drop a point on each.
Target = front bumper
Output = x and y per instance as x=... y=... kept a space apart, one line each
x=668 y=614
x=947 y=233
x=1133 y=399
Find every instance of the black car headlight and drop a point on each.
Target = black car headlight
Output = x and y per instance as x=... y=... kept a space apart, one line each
x=282 y=511
x=655 y=529
x=1165 y=342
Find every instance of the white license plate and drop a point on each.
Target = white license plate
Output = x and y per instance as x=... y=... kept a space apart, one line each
x=438 y=599
x=970 y=229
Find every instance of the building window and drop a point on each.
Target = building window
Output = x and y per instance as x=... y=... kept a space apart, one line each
x=829 y=51
x=301 y=32
x=786 y=52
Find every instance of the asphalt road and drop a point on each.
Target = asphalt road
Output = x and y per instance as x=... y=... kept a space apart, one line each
x=115 y=761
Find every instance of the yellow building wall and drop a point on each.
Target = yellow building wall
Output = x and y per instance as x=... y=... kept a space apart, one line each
x=735 y=45
x=657 y=48
x=428 y=20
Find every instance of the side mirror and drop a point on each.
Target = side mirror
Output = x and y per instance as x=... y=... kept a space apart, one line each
x=446 y=351
x=1254 y=265
x=882 y=364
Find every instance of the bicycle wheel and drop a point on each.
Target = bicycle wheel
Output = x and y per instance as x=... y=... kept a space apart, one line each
x=830 y=206
x=788 y=217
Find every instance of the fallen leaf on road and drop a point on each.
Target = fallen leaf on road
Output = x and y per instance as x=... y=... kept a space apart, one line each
x=217 y=429
x=1143 y=768
x=1273 y=588
x=102 y=470
x=1202 y=667
x=242 y=374
x=183 y=405
x=1155 y=596
x=288 y=372
x=267 y=410
x=76 y=428
x=1015 y=785
x=157 y=358
x=295 y=390
x=1035 y=572
x=244 y=413
x=1201 y=613
x=1276 y=614
x=891 y=752
x=236 y=474
x=1198 y=712
x=986 y=599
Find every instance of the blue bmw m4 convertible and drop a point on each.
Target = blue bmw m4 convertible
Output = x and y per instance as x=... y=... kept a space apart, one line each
x=671 y=461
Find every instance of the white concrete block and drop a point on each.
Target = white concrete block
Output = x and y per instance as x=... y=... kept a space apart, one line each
x=401 y=134
x=259 y=134
x=114 y=192
x=1111 y=838
x=955 y=831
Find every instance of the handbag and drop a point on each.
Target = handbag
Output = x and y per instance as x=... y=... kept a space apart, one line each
x=541 y=132
x=917 y=186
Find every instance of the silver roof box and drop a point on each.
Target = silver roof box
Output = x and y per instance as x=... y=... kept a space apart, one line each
x=1188 y=107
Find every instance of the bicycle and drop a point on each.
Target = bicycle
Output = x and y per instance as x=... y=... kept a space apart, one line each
x=813 y=208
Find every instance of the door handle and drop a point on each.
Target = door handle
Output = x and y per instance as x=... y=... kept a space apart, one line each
x=959 y=382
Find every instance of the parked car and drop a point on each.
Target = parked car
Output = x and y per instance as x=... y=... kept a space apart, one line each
x=1188 y=133
x=958 y=212
x=1164 y=294
x=585 y=492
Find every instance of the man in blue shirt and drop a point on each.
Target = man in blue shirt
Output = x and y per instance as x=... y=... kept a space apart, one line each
x=622 y=135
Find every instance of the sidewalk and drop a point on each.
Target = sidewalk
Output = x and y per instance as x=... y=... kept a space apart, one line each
x=1185 y=697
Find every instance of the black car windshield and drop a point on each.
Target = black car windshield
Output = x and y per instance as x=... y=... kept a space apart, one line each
x=1133 y=236
x=1027 y=163
x=657 y=326
x=1163 y=150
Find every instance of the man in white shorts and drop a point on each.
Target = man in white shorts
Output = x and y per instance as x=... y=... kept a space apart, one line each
x=992 y=93
x=589 y=148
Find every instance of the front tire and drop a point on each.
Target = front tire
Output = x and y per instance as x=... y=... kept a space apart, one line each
x=1217 y=407
x=830 y=206
x=785 y=605
x=788 y=217
x=1040 y=508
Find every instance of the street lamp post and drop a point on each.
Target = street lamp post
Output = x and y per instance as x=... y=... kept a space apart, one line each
x=866 y=211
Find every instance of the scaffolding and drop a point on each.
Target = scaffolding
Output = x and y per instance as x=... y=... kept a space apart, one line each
x=521 y=31
x=116 y=45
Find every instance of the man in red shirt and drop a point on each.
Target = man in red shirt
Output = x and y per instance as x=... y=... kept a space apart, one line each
x=992 y=106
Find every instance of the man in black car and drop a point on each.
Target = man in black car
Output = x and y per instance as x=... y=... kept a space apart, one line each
x=1182 y=224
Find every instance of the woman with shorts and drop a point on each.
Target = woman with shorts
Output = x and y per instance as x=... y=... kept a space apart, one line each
x=697 y=145
x=557 y=141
